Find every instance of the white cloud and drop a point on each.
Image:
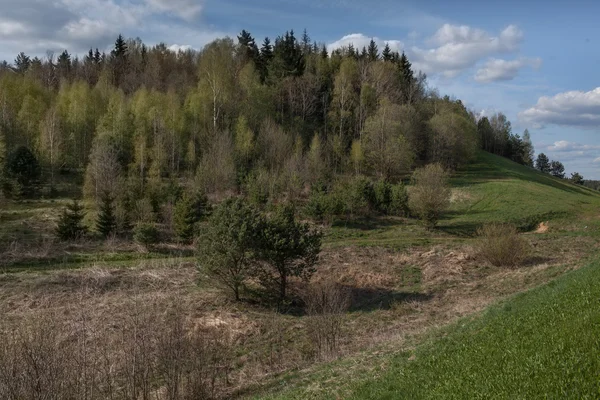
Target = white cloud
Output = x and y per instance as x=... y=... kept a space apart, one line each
x=358 y=40
x=596 y=161
x=462 y=47
x=504 y=70
x=574 y=108
x=566 y=146
x=177 y=48
x=186 y=9
x=35 y=26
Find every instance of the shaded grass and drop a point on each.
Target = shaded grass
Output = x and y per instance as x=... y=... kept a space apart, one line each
x=539 y=344
x=544 y=343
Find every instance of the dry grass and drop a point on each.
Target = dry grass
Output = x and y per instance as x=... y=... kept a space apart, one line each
x=501 y=245
x=360 y=298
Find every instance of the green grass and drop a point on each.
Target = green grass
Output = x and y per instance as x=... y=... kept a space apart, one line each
x=494 y=189
x=544 y=343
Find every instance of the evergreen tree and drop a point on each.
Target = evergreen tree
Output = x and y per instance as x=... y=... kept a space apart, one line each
x=119 y=60
x=106 y=223
x=63 y=65
x=387 y=53
x=557 y=169
x=23 y=168
x=189 y=210
x=70 y=225
x=288 y=249
x=22 y=63
x=265 y=58
x=542 y=163
x=528 y=151
x=249 y=49
x=577 y=178
x=373 y=51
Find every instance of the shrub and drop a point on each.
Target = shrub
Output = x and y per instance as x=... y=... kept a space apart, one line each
x=287 y=249
x=398 y=201
x=430 y=195
x=189 y=210
x=226 y=249
x=382 y=193
x=70 y=223
x=501 y=245
x=145 y=234
x=23 y=171
x=326 y=304
x=106 y=223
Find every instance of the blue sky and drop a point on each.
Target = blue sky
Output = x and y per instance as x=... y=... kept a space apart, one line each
x=536 y=61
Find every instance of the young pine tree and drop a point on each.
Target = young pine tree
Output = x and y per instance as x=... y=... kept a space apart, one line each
x=70 y=226
x=106 y=224
x=188 y=211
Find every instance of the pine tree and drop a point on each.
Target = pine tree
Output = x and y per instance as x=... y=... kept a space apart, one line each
x=542 y=163
x=70 y=224
x=249 y=49
x=373 y=51
x=387 y=53
x=106 y=223
x=577 y=178
x=528 y=151
x=557 y=169
x=63 y=65
x=188 y=211
x=22 y=63
x=265 y=57
x=119 y=60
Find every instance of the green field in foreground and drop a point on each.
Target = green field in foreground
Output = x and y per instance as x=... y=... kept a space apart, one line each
x=544 y=343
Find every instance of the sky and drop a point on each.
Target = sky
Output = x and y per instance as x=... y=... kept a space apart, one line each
x=535 y=61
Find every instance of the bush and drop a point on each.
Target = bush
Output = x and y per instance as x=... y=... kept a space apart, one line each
x=23 y=172
x=382 y=192
x=145 y=234
x=501 y=245
x=398 y=201
x=326 y=304
x=430 y=195
x=70 y=223
x=189 y=210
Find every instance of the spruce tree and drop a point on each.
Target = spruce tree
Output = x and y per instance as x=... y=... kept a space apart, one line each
x=542 y=163
x=188 y=211
x=264 y=59
x=373 y=51
x=387 y=53
x=249 y=49
x=106 y=224
x=70 y=224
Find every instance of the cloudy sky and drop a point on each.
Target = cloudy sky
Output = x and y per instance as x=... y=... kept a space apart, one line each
x=536 y=61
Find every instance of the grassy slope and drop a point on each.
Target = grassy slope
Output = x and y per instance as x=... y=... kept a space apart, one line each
x=496 y=189
x=492 y=189
x=545 y=341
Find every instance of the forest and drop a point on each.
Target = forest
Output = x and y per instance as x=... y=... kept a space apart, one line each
x=272 y=122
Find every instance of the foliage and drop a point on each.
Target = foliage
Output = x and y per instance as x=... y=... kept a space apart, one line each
x=557 y=169
x=227 y=247
x=501 y=245
x=287 y=249
x=430 y=195
x=146 y=234
x=106 y=223
x=70 y=225
x=189 y=210
x=577 y=178
x=23 y=170
x=542 y=163
x=508 y=339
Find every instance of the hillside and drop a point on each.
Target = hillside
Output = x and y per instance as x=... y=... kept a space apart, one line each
x=535 y=343
x=407 y=288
